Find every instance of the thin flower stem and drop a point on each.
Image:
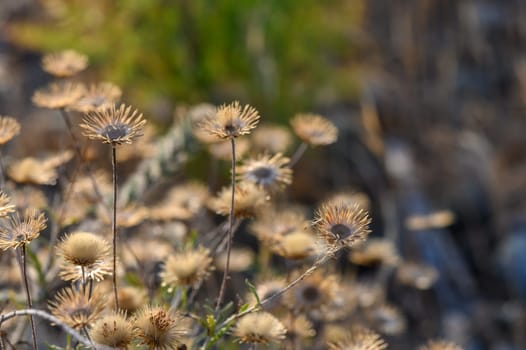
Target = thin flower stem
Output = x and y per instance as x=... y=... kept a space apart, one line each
x=2 y=172
x=298 y=154
x=114 y=223
x=230 y=226
x=28 y=294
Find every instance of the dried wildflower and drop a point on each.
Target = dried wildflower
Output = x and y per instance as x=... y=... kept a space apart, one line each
x=17 y=232
x=438 y=219
x=259 y=328
x=249 y=199
x=296 y=245
x=299 y=327
x=113 y=329
x=187 y=268
x=76 y=308
x=231 y=121
x=360 y=339
x=374 y=252
x=387 y=319
x=240 y=259
x=269 y=172
x=273 y=224
x=223 y=150
x=182 y=202
x=38 y=172
x=65 y=63
x=339 y=225
x=440 y=345
x=314 y=129
x=131 y=299
x=159 y=329
x=83 y=248
x=5 y=205
x=417 y=275
x=129 y=216
x=58 y=95
x=97 y=97
x=350 y=198
x=313 y=293
x=271 y=138
x=114 y=125
x=9 y=128
x=86 y=255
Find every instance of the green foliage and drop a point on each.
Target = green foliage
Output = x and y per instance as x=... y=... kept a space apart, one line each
x=283 y=55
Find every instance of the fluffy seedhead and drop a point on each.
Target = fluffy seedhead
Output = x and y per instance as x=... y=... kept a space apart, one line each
x=159 y=329
x=187 y=268
x=269 y=172
x=249 y=199
x=314 y=129
x=440 y=345
x=113 y=329
x=259 y=328
x=58 y=95
x=64 y=63
x=360 y=339
x=18 y=231
x=97 y=98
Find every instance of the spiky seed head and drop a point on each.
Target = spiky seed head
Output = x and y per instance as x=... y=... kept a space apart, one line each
x=83 y=248
x=314 y=129
x=249 y=199
x=58 y=95
x=17 y=231
x=440 y=345
x=296 y=246
x=269 y=172
x=9 y=128
x=64 y=63
x=5 y=205
x=158 y=329
x=340 y=225
x=187 y=268
x=97 y=97
x=259 y=328
x=113 y=125
x=77 y=308
x=113 y=329
x=231 y=121
x=360 y=339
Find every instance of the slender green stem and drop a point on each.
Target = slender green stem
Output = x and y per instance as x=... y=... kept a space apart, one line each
x=298 y=154
x=28 y=294
x=114 y=223
x=230 y=226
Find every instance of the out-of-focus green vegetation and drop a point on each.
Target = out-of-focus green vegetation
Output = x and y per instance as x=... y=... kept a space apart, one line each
x=282 y=55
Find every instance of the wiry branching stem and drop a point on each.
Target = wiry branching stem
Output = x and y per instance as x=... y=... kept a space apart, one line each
x=230 y=227
x=28 y=294
x=114 y=223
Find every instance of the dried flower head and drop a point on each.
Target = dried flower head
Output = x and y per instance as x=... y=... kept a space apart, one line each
x=340 y=225
x=249 y=199
x=9 y=128
x=113 y=329
x=37 y=171
x=187 y=268
x=5 y=205
x=437 y=219
x=387 y=319
x=222 y=150
x=272 y=224
x=158 y=329
x=299 y=327
x=314 y=129
x=77 y=308
x=440 y=345
x=231 y=121
x=16 y=232
x=297 y=245
x=375 y=252
x=417 y=275
x=271 y=138
x=269 y=172
x=259 y=328
x=240 y=259
x=360 y=339
x=65 y=63
x=114 y=125
x=131 y=299
x=97 y=97
x=314 y=293
x=182 y=202
x=83 y=248
x=58 y=95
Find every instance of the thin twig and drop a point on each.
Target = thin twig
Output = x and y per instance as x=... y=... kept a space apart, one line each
x=2 y=173
x=298 y=154
x=114 y=222
x=230 y=226
x=28 y=294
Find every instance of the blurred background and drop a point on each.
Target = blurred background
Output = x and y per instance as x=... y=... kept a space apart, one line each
x=429 y=97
